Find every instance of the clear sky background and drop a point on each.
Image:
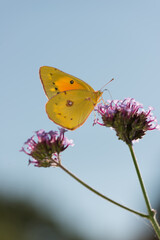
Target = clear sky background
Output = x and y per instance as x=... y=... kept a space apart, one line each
x=95 y=41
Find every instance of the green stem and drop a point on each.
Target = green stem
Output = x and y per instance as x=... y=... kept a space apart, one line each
x=140 y=180
x=98 y=193
x=155 y=225
x=151 y=212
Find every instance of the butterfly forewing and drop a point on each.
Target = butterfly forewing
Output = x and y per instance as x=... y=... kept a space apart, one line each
x=55 y=81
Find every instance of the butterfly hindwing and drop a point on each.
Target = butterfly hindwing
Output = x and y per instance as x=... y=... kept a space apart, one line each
x=70 y=109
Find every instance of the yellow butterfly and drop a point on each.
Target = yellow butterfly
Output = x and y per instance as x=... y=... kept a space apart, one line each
x=71 y=100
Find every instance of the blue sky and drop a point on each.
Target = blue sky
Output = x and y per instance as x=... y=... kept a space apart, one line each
x=95 y=41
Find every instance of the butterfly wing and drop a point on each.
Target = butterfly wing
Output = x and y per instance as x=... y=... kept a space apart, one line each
x=55 y=81
x=70 y=109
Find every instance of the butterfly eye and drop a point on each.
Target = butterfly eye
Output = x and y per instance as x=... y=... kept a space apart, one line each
x=71 y=82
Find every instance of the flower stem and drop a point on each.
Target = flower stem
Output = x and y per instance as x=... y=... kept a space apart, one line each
x=151 y=212
x=98 y=193
x=140 y=180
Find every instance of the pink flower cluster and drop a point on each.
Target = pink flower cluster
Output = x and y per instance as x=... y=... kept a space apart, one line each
x=128 y=118
x=46 y=146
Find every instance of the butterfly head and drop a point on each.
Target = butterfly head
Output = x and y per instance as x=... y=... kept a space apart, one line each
x=98 y=94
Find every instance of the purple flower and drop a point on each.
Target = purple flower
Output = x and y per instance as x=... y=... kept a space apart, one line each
x=128 y=118
x=46 y=146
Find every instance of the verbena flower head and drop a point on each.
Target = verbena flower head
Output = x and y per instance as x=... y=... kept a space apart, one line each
x=128 y=118
x=46 y=146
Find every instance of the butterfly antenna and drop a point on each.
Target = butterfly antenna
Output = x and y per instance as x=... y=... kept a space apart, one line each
x=107 y=84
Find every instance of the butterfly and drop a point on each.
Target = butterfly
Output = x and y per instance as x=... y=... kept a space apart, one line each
x=70 y=100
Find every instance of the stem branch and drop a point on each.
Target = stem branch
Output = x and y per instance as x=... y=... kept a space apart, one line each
x=98 y=193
